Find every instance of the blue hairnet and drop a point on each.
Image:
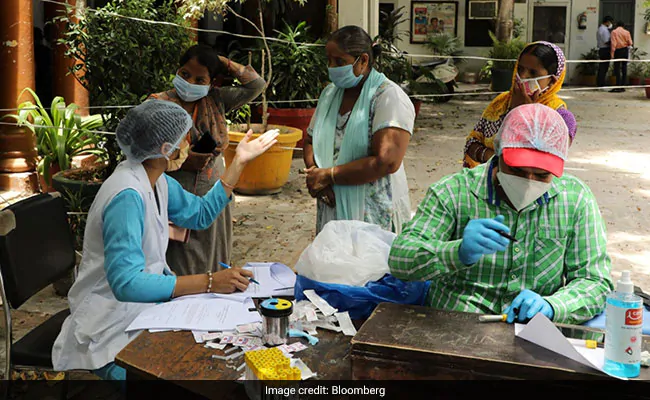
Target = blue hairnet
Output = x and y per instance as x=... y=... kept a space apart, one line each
x=148 y=126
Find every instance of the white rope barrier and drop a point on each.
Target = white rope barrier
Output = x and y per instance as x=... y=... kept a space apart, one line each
x=415 y=96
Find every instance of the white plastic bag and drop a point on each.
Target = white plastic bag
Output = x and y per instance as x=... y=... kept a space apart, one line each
x=348 y=253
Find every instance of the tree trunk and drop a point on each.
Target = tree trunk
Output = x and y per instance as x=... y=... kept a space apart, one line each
x=505 y=23
x=332 y=16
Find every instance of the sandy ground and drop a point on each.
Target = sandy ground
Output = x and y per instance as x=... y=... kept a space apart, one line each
x=609 y=153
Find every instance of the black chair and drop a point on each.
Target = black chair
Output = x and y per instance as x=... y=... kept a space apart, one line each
x=36 y=249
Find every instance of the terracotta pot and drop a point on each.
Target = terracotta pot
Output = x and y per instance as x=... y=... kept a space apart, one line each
x=268 y=173
x=17 y=149
x=45 y=188
x=294 y=117
x=647 y=90
x=588 y=80
x=417 y=104
x=635 y=81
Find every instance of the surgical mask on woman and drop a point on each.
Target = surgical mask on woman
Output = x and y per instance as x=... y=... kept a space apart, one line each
x=343 y=77
x=532 y=85
x=189 y=92
x=521 y=191
x=175 y=165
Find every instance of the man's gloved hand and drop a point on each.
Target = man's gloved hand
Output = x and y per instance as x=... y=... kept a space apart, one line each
x=526 y=305
x=481 y=237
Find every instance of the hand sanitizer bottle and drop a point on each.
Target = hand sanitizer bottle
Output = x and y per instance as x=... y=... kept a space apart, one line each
x=624 y=324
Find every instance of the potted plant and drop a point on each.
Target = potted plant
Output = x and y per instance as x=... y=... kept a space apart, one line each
x=61 y=135
x=588 y=71
x=123 y=69
x=505 y=55
x=637 y=70
x=300 y=74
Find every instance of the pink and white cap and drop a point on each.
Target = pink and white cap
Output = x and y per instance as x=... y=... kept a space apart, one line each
x=534 y=136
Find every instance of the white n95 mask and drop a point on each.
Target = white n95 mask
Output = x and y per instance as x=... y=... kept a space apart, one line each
x=521 y=191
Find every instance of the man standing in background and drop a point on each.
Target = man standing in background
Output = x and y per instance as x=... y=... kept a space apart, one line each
x=604 y=48
x=621 y=41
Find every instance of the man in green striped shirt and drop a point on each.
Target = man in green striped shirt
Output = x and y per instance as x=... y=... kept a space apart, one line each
x=558 y=264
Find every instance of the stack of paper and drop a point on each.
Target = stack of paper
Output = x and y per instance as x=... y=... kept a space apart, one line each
x=199 y=313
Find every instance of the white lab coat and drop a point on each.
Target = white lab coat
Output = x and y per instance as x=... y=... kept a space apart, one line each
x=94 y=333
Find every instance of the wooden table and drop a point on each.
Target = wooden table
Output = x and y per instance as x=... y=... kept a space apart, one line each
x=175 y=356
x=412 y=342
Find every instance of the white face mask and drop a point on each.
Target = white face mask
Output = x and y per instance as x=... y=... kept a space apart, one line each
x=532 y=85
x=521 y=191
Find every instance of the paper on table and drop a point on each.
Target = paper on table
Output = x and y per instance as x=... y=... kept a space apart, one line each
x=200 y=314
x=271 y=276
x=541 y=331
x=346 y=324
x=319 y=302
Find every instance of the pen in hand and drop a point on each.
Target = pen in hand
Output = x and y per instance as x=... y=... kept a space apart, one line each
x=226 y=266
x=505 y=235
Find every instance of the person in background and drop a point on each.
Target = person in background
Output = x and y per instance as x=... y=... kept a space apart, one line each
x=621 y=42
x=539 y=75
x=195 y=89
x=433 y=26
x=558 y=265
x=603 y=40
x=358 y=137
x=123 y=269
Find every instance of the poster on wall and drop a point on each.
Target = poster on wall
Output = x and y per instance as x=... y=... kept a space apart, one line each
x=431 y=17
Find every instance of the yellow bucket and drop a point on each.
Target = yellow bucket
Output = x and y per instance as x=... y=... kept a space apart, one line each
x=268 y=173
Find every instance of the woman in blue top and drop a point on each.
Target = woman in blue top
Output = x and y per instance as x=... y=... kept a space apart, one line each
x=123 y=270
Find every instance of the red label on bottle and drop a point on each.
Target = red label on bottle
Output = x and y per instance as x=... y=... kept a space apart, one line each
x=634 y=316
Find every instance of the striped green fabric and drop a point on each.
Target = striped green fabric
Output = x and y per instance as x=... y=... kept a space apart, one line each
x=560 y=254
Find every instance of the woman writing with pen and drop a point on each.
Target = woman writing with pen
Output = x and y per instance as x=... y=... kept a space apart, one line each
x=123 y=270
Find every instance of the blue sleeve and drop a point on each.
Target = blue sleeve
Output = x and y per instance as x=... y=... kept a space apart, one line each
x=193 y=212
x=124 y=259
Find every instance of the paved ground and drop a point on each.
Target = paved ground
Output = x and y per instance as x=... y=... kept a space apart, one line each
x=610 y=154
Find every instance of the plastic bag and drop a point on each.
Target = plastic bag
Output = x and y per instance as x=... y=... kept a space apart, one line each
x=361 y=301
x=348 y=253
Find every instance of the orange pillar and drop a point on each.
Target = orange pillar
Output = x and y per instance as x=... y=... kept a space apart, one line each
x=65 y=84
x=17 y=145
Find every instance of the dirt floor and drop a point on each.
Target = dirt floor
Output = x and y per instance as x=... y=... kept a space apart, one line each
x=609 y=153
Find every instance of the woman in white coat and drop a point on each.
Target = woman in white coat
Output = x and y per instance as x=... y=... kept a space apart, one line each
x=123 y=270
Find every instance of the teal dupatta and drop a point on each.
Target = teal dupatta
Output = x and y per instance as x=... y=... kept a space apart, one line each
x=350 y=200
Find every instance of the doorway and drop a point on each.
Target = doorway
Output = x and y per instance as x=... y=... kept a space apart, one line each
x=551 y=23
x=620 y=10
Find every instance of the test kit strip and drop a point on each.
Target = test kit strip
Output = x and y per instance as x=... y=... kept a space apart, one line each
x=346 y=324
x=319 y=302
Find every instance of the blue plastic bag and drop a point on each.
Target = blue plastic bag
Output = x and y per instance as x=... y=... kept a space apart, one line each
x=360 y=301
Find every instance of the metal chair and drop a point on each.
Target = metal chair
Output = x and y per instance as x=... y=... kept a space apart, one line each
x=36 y=249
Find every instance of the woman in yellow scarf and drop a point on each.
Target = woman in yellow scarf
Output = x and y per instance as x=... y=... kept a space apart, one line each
x=539 y=75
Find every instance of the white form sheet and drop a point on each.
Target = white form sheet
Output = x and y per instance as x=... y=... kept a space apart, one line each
x=271 y=276
x=197 y=313
x=541 y=331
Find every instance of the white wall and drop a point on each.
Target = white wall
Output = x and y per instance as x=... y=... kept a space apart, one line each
x=363 y=13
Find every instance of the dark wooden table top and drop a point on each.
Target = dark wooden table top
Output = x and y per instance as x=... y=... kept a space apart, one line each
x=175 y=356
x=412 y=334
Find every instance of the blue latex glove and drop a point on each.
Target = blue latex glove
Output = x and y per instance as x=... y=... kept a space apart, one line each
x=526 y=305
x=480 y=237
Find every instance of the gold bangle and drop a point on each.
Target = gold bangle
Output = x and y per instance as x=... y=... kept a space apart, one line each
x=209 y=282
x=227 y=185
x=332 y=175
